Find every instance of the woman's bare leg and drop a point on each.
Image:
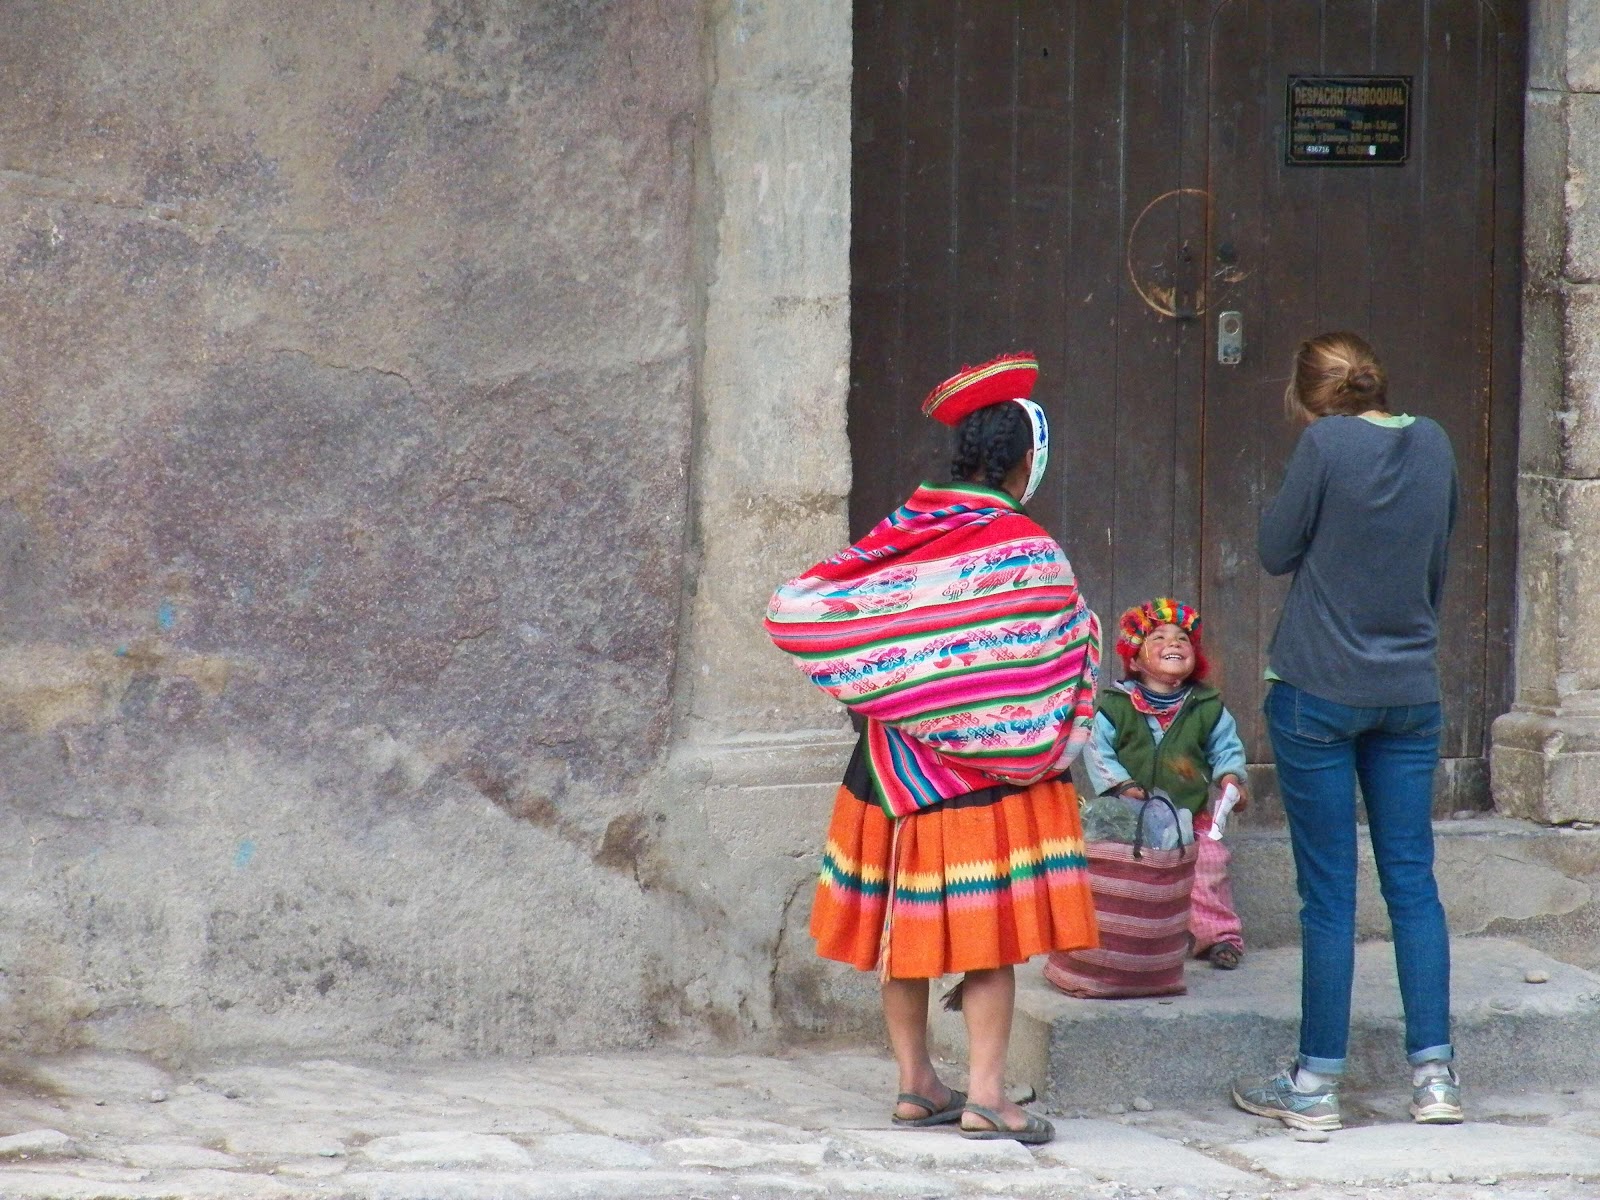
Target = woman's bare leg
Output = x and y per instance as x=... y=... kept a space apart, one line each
x=987 y=1003
x=905 y=1011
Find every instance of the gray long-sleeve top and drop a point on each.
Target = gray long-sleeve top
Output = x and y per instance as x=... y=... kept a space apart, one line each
x=1362 y=519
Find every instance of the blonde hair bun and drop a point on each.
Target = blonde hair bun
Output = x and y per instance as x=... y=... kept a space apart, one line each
x=1336 y=373
x=1364 y=379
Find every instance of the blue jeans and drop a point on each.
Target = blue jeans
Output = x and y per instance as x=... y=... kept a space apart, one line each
x=1322 y=749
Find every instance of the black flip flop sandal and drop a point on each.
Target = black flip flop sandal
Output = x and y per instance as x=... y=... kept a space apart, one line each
x=1034 y=1133
x=936 y=1115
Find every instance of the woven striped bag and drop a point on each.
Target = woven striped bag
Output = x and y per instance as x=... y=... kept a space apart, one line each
x=1141 y=901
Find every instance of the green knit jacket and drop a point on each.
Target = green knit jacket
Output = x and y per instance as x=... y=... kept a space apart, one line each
x=1178 y=766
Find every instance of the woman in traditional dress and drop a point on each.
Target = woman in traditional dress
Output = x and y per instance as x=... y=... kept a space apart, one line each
x=955 y=629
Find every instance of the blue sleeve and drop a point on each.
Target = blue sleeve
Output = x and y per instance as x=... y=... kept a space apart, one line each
x=1224 y=750
x=1106 y=772
x=1290 y=519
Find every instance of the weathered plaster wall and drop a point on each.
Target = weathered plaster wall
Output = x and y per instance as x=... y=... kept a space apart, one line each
x=1546 y=756
x=348 y=362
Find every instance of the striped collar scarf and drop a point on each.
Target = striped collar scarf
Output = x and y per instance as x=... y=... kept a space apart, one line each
x=1155 y=704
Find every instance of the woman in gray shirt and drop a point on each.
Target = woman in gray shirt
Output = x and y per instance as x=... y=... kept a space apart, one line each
x=1362 y=520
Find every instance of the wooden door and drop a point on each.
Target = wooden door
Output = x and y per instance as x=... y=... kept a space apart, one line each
x=1095 y=182
x=1420 y=258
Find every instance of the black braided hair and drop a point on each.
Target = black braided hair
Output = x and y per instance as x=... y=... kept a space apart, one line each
x=989 y=443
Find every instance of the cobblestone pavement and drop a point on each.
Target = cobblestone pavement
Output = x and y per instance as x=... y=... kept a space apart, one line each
x=683 y=1124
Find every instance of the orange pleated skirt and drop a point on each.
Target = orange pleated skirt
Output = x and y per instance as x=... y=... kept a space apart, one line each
x=959 y=887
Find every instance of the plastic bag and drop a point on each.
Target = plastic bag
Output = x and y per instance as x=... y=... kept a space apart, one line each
x=1116 y=819
x=1110 y=819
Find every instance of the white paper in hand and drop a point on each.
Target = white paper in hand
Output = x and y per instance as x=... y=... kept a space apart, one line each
x=1220 y=810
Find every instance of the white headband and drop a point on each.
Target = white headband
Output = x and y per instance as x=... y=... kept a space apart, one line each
x=1041 y=446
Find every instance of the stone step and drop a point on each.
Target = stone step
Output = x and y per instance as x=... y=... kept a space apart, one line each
x=1508 y=878
x=1510 y=1035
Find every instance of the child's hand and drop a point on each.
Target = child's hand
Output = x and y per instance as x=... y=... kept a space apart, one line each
x=1133 y=791
x=1244 y=794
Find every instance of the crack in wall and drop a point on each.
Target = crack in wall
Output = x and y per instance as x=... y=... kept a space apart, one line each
x=777 y=944
x=342 y=368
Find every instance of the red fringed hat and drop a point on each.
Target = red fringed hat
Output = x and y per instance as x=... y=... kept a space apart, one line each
x=1009 y=377
x=1137 y=624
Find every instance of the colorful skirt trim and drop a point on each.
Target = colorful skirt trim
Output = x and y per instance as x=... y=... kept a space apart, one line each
x=981 y=881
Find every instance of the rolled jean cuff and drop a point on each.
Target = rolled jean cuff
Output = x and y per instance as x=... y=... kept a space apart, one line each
x=1327 y=1066
x=1441 y=1054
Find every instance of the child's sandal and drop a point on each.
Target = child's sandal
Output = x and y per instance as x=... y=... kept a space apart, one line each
x=1225 y=956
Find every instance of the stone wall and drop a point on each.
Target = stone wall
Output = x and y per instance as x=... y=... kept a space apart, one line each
x=352 y=369
x=1546 y=756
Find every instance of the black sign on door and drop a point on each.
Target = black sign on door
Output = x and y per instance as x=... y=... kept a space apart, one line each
x=1347 y=120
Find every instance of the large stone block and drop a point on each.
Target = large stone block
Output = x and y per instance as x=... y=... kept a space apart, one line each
x=1547 y=45
x=739 y=847
x=1495 y=876
x=1076 y=1053
x=1542 y=417
x=1544 y=192
x=344 y=460
x=1583 y=186
x=783 y=159
x=772 y=470
x=816 y=994
x=1546 y=767
x=1578 y=598
x=767 y=797
x=775 y=391
x=1541 y=554
x=738 y=682
x=1557 y=604
x=1580 y=415
x=778 y=43
x=243 y=903
x=1582 y=44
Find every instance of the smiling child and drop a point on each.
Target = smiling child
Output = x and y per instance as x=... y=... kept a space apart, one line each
x=1162 y=727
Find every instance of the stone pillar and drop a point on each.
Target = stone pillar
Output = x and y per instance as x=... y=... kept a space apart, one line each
x=772 y=460
x=1545 y=761
x=758 y=752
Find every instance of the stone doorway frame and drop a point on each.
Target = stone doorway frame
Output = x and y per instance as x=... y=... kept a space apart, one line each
x=1545 y=760
x=755 y=753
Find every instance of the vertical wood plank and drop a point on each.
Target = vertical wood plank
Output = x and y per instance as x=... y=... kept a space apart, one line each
x=1456 y=237
x=878 y=281
x=1272 y=224
x=1345 y=216
x=1153 y=238
x=985 y=183
x=1510 y=40
x=1094 y=283
x=1191 y=339
x=1239 y=125
x=1398 y=212
x=933 y=119
x=1042 y=207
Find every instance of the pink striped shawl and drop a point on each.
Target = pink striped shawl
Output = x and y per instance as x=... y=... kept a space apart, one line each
x=955 y=627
